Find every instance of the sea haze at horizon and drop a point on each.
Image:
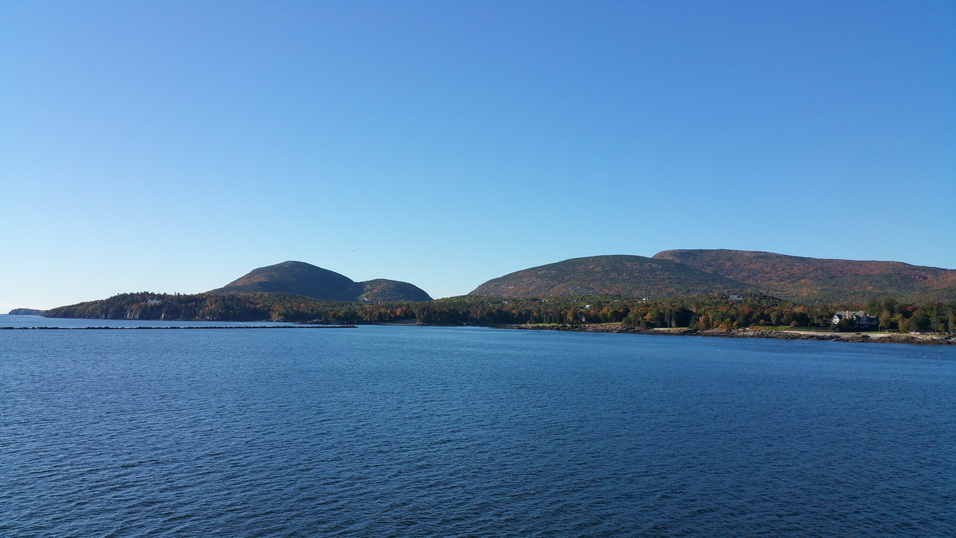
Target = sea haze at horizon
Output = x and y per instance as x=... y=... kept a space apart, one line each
x=463 y=431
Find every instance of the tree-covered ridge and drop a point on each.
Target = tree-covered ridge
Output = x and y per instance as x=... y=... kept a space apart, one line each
x=384 y=290
x=295 y=277
x=25 y=312
x=700 y=313
x=623 y=276
x=817 y=279
x=209 y=306
x=306 y=279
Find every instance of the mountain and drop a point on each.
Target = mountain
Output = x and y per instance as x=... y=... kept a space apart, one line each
x=306 y=279
x=627 y=276
x=296 y=277
x=818 y=279
x=382 y=290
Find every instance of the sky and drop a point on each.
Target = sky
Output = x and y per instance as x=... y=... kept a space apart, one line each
x=173 y=146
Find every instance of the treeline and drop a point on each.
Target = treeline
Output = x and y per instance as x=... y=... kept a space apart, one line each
x=232 y=307
x=701 y=313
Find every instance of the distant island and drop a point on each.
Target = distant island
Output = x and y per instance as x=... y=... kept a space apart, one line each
x=25 y=312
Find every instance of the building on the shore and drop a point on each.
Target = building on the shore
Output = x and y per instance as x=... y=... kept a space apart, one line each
x=862 y=320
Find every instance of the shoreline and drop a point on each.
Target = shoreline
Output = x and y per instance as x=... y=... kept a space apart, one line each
x=774 y=334
x=875 y=337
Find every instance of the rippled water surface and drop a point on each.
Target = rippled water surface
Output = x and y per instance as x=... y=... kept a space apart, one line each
x=465 y=431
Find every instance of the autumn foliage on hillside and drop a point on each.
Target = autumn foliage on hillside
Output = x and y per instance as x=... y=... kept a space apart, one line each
x=624 y=276
x=825 y=280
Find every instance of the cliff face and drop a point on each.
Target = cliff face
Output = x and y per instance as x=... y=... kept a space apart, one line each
x=306 y=279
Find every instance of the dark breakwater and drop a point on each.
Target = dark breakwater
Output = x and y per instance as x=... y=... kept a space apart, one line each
x=138 y=328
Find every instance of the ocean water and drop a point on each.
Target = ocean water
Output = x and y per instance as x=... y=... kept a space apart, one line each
x=412 y=431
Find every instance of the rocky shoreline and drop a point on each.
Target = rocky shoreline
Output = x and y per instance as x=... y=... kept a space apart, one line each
x=885 y=338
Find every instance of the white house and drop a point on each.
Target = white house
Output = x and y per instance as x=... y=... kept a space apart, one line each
x=862 y=320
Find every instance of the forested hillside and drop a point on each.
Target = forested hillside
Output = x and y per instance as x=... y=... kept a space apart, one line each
x=305 y=279
x=701 y=313
x=621 y=276
x=262 y=306
x=683 y=288
x=824 y=280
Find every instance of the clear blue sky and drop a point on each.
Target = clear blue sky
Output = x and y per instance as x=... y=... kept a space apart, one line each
x=173 y=146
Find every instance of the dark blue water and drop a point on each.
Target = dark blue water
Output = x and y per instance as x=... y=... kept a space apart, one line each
x=463 y=431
